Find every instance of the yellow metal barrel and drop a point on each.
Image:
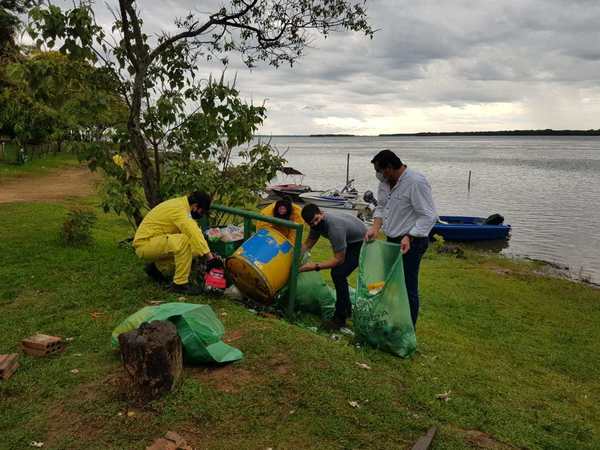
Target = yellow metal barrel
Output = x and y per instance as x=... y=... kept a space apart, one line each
x=261 y=266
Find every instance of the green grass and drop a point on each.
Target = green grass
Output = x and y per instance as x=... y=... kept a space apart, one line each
x=37 y=166
x=517 y=351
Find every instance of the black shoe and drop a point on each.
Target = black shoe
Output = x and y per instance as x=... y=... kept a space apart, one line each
x=186 y=289
x=333 y=325
x=153 y=272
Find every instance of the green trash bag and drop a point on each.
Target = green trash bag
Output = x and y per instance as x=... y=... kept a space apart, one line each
x=314 y=296
x=381 y=314
x=198 y=327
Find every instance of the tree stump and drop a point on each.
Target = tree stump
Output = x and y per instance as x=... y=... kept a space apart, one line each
x=153 y=360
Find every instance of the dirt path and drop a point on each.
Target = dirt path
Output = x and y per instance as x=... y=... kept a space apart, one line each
x=71 y=182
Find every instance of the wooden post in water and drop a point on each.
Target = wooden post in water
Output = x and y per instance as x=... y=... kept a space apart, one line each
x=469 y=184
x=347 y=168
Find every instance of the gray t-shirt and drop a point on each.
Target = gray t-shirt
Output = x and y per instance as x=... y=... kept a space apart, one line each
x=341 y=230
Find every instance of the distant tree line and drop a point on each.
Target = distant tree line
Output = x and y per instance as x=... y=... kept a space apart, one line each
x=546 y=132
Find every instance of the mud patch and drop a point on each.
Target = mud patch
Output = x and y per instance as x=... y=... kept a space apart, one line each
x=74 y=420
x=280 y=364
x=72 y=182
x=479 y=439
x=231 y=378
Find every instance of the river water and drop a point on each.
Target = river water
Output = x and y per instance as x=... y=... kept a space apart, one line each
x=547 y=188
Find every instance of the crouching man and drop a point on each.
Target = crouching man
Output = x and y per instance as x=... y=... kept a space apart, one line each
x=170 y=236
x=346 y=234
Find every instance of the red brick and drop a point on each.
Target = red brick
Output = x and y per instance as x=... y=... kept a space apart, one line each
x=8 y=365
x=42 y=345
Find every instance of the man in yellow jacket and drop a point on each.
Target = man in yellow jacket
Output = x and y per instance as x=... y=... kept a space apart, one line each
x=169 y=234
x=282 y=209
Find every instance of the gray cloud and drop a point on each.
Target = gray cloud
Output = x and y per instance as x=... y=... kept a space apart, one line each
x=457 y=64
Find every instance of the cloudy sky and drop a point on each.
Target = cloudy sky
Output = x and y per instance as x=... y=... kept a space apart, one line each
x=434 y=65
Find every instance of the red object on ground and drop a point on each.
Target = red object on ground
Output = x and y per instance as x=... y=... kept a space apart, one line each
x=42 y=345
x=215 y=278
x=8 y=365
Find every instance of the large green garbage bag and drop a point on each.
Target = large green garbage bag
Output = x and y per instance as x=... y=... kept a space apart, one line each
x=381 y=315
x=314 y=296
x=197 y=325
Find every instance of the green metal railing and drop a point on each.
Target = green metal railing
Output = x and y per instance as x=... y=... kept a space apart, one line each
x=251 y=215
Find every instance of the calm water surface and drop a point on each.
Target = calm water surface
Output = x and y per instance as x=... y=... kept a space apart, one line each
x=547 y=188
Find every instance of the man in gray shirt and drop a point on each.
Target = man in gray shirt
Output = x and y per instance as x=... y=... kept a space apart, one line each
x=406 y=214
x=346 y=234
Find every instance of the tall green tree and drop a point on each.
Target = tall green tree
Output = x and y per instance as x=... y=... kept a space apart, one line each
x=10 y=24
x=168 y=108
x=50 y=98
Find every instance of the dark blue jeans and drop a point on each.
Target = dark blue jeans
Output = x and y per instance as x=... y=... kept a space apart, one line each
x=412 y=262
x=339 y=275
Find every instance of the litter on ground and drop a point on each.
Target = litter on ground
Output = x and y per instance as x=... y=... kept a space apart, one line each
x=363 y=366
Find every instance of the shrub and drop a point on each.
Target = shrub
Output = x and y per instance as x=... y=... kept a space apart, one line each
x=77 y=227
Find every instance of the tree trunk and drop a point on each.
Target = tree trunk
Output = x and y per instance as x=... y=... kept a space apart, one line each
x=149 y=176
x=153 y=359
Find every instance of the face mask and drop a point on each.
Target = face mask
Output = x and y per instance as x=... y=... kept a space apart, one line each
x=379 y=176
x=196 y=215
x=321 y=227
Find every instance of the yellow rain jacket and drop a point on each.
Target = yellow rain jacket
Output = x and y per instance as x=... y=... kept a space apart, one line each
x=168 y=235
x=289 y=233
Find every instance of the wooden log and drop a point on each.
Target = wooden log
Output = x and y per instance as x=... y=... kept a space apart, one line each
x=153 y=359
x=424 y=442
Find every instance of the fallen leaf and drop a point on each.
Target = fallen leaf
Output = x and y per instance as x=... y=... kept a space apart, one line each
x=96 y=315
x=70 y=339
x=181 y=299
x=444 y=397
x=223 y=314
x=37 y=444
x=363 y=366
x=354 y=404
x=130 y=414
x=293 y=411
x=75 y=371
x=77 y=354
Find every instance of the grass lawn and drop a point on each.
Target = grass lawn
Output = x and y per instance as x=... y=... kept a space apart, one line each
x=37 y=166
x=516 y=352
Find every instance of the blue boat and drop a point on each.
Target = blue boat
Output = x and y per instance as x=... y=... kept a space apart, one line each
x=463 y=228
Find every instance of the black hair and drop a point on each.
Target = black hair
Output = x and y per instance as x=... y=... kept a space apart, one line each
x=202 y=199
x=285 y=201
x=386 y=158
x=309 y=212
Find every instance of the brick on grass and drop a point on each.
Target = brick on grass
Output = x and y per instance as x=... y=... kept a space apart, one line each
x=8 y=365
x=42 y=345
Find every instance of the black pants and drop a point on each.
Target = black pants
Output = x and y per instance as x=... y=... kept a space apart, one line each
x=412 y=261
x=339 y=275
